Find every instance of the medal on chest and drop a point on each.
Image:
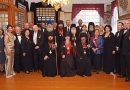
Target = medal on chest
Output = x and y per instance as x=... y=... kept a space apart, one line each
x=50 y=47
x=84 y=48
x=50 y=51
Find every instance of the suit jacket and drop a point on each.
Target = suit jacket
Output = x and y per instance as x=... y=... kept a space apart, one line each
x=66 y=30
x=40 y=40
x=17 y=46
x=99 y=42
x=126 y=43
x=78 y=30
x=118 y=39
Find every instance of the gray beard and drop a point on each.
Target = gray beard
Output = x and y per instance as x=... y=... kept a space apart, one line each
x=49 y=29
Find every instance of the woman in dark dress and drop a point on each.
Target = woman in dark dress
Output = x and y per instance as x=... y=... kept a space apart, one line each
x=2 y=53
x=109 y=50
x=26 y=44
x=49 y=57
x=67 y=62
x=83 y=63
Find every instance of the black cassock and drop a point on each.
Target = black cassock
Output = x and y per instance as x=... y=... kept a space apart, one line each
x=74 y=40
x=49 y=65
x=67 y=64
x=59 y=39
x=27 y=49
x=83 y=63
x=109 y=59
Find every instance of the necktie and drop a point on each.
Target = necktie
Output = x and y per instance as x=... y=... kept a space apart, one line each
x=68 y=29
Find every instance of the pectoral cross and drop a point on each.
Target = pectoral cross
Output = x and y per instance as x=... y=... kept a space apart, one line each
x=50 y=52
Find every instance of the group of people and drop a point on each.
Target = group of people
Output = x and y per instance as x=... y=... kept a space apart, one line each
x=66 y=51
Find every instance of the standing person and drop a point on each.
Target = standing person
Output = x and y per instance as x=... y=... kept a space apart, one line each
x=101 y=30
x=67 y=29
x=49 y=57
x=84 y=30
x=2 y=53
x=9 y=51
x=83 y=62
x=18 y=50
x=67 y=62
x=96 y=44
x=109 y=50
x=125 y=61
x=80 y=22
x=27 y=48
x=118 y=37
x=74 y=40
x=30 y=26
x=55 y=28
x=43 y=27
x=60 y=39
x=38 y=39
x=91 y=28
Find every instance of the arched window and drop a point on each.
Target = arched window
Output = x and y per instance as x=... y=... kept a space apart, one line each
x=88 y=16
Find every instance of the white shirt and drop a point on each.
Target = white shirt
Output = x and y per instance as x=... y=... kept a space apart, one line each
x=35 y=38
x=125 y=31
x=43 y=30
x=1 y=36
x=79 y=27
x=19 y=38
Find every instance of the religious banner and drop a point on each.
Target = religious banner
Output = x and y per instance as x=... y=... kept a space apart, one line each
x=124 y=9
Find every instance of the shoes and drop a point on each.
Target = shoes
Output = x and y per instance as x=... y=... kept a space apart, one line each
x=27 y=72
x=114 y=75
x=127 y=80
x=9 y=76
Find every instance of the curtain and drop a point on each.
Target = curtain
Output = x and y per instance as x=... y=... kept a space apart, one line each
x=114 y=15
x=113 y=5
x=76 y=8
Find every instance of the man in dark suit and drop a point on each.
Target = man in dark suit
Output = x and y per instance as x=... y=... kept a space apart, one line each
x=118 y=37
x=126 y=50
x=79 y=27
x=55 y=28
x=44 y=30
x=67 y=29
x=27 y=27
x=43 y=26
x=18 y=50
x=38 y=40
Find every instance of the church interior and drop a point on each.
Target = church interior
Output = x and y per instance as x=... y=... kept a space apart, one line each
x=35 y=12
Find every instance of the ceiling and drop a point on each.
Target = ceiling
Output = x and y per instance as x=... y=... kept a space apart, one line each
x=68 y=8
x=91 y=1
x=80 y=1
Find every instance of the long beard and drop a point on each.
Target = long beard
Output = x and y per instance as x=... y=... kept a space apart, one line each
x=50 y=41
x=83 y=41
x=49 y=29
x=67 y=42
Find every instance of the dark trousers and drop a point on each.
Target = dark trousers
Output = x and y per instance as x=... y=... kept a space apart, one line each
x=118 y=63
x=123 y=65
x=36 y=60
x=17 y=62
x=127 y=66
x=98 y=62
